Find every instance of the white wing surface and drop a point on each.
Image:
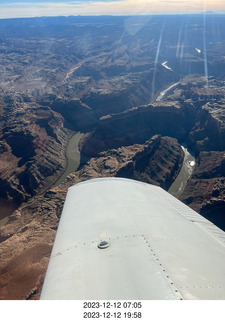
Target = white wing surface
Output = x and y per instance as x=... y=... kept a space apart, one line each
x=155 y=247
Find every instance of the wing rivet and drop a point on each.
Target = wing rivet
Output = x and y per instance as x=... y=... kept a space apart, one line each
x=103 y=245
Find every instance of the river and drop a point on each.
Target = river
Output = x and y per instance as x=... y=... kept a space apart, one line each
x=73 y=162
x=188 y=165
x=162 y=94
x=73 y=157
x=176 y=189
x=184 y=175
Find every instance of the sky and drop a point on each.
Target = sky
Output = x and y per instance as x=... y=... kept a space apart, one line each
x=37 y=8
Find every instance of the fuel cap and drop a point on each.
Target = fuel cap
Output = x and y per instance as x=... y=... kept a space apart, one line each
x=103 y=245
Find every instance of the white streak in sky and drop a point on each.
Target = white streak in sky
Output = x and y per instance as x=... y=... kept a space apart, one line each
x=180 y=42
x=204 y=51
x=198 y=50
x=179 y=46
x=156 y=61
x=164 y=64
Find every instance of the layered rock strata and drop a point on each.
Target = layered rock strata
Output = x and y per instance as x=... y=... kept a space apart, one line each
x=192 y=113
x=205 y=191
x=32 y=149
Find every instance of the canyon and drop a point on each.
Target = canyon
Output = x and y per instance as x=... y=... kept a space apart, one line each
x=102 y=76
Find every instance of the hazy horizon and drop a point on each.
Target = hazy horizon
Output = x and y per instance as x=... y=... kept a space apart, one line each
x=47 y=8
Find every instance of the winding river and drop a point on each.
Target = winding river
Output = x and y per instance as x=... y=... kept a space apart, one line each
x=73 y=157
x=176 y=189
x=178 y=186
x=162 y=94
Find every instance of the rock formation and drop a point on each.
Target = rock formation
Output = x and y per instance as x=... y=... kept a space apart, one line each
x=33 y=141
x=205 y=191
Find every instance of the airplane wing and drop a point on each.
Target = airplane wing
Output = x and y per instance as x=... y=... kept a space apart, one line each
x=120 y=239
